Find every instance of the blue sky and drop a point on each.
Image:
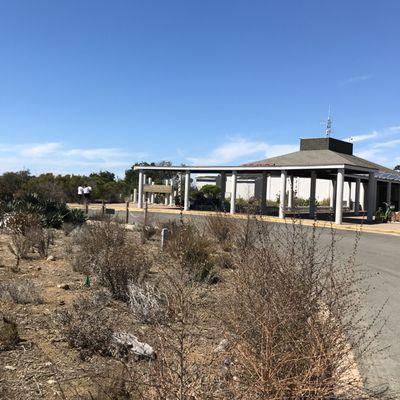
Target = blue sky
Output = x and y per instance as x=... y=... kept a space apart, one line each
x=89 y=85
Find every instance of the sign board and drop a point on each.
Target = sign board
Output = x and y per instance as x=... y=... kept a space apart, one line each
x=110 y=211
x=157 y=189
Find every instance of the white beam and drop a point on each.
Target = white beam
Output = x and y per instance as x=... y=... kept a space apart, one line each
x=313 y=186
x=233 y=192
x=282 y=197
x=187 y=188
x=140 y=189
x=339 y=196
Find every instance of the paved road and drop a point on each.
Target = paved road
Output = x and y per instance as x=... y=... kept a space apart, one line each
x=378 y=256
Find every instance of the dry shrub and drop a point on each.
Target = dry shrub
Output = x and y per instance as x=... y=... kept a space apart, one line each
x=9 y=336
x=104 y=249
x=86 y=326
x=221 y=226
x=193 y=251
x=27 y=235
x=21 y=292
x=292 y=317
x=147 y=303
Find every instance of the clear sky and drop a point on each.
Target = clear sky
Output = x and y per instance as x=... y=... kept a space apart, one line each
x=90 y=84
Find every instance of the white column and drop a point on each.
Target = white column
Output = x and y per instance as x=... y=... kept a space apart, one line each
x=223 y=187
x=233 y=192
x=290 y=198
x=171 y=196
x=331 y=195
x=152 y=196
x=140 y=190
x=187 y=188
x=371 y=197
x=313 y=185
x=339 y=196
x=268 y=186
x=134 y=199
x=349 y=196
x=282 y=197
x=264 y=192
x=166 y=194
x=357 y=197
x=389 y=192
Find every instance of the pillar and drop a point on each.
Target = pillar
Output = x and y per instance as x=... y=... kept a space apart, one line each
x=187 y=188
x=223 y=187
x=233 y=192
x=140 y=189
x=339 y=196
x=282 y=197
x=135 y=197
x=313 y=185
x=268 y=186
x=144 y=183
x=349 y=196
x=166 y=194
x=152 y=196
x=371 y=197
x=264 y=192
x=172 y=194
x=290 y=198
x=389 y=192
x=357 y=197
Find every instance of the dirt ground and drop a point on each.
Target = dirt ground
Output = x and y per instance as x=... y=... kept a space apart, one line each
x=43 y=365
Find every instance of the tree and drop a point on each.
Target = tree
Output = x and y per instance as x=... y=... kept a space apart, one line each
x=397 y=167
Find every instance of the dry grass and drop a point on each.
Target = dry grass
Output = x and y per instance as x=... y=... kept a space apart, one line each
x=21 y=291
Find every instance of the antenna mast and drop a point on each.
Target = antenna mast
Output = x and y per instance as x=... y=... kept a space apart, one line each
x=328 y=130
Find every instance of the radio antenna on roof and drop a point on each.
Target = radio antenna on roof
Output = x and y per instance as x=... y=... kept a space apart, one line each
x=328 y=129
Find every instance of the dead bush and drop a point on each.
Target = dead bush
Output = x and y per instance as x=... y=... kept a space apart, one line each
x=192 y=250
x=9 y=336
x=292 y=318
x=86 y=327
x=221 y=226
x=147 y=303
x=104 y=250
x=20 y=292
x=42 y=239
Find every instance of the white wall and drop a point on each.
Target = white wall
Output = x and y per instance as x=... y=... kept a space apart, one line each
x=251 y=188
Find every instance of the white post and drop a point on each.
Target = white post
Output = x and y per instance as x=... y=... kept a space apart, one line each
x=171 y=196
x=187 y=188
x=166 y=194
x=282 y=197
x=268 y=186
x=389 y=192
x=233 y=192
x=371 y=197
x=357 y=197
x=291 y=192
x=349 y=196
x=339 y=196
x=331 y=195
x=134 y=199
x=264 y=192
x=152 y=196
x=140 y=190
x=313 y=185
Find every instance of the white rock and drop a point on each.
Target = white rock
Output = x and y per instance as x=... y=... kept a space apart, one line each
x=223 y=345
x=131 y=342
x=51 y=258
x=10 y=368
x=64 y=286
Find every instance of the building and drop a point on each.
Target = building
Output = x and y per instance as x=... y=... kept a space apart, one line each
x=326 y=164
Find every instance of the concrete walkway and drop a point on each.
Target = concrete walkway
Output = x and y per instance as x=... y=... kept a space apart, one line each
x=383 y=228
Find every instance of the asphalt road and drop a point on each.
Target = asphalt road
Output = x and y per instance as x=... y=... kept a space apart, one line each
x=379 y=257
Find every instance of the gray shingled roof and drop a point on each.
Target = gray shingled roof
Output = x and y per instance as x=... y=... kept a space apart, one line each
x=309 y=158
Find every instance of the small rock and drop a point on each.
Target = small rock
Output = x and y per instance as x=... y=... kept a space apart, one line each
x=64 y=286
x=51 y=381
x=51 y=258
x=48 y=363
x=223 y=345
x=10 y=368
x=39 y=268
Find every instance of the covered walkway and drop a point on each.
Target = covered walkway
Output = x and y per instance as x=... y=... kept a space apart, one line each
x=321 y=158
